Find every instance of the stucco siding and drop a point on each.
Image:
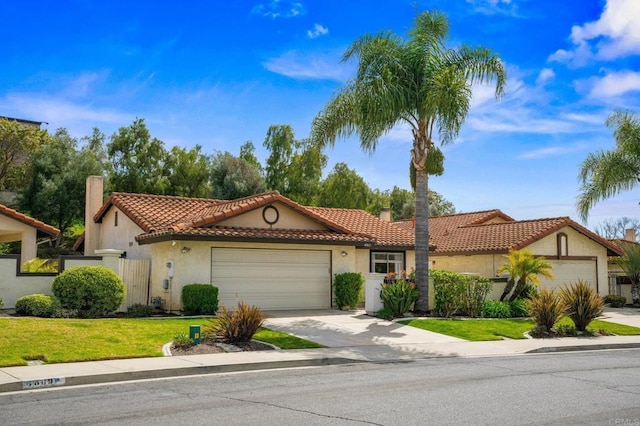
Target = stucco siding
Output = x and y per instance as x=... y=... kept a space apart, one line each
x=121 y=237
x=194 y=266
x=287 y=219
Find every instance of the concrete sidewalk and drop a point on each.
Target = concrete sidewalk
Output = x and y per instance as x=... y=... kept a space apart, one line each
x=351 y=337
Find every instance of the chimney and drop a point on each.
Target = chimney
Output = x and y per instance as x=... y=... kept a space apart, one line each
x=93 y=202
x=385 y=214
x=630 y=234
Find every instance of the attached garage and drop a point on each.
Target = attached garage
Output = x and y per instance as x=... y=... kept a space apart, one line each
x=272 y=279
x=570 y=271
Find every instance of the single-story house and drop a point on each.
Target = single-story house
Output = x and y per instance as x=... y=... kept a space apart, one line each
x=477 y=242
x=264 y=249
x=16 y=226
x=272 y=252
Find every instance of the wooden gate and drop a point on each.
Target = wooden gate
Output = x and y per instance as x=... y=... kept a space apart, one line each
x=135 y=273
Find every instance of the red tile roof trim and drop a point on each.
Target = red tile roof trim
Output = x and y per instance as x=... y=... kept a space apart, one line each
x=27 y=220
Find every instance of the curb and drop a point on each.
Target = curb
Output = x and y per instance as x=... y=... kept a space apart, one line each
x=552 y=349
x=177 y=372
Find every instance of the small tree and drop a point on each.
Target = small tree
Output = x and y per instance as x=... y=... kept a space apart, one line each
x=523 y=268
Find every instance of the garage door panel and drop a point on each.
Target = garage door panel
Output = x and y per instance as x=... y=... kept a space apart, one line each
x=273 y=279
x=569 y=271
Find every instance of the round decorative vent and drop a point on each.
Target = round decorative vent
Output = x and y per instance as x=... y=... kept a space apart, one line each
x=270 y=215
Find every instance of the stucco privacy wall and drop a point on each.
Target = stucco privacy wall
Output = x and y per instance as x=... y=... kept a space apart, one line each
x=194 y=266
x=121 y=237
x=14 y=286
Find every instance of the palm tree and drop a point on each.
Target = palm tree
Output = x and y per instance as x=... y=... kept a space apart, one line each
x=512 y=268
x=418 y=82
x=606 y=173
x=523 y=267
x=630 y=264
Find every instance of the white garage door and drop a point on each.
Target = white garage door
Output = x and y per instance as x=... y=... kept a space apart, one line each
x=569 y=271
x=272 y=279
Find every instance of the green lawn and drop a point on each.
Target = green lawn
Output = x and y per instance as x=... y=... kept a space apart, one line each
x=69 y=340
x=495 y=329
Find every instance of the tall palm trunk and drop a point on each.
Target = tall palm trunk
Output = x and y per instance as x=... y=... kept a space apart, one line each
x=422 y=240
x=419 y=157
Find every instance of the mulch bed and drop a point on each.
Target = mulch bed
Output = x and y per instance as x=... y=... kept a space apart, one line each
x=218 y=347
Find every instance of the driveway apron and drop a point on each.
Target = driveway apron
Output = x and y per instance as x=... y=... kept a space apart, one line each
x=335 y=329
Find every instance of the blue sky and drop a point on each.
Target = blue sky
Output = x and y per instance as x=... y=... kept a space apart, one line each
x=219 y=73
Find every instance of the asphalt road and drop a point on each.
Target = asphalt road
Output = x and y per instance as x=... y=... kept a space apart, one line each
x=580 y=388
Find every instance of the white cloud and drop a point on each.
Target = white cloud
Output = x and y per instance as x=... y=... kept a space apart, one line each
x=318 y=30
x=77 y=117
x=546 y=75
x=279 y=9
x=615 y=34
x=491 y=7
x=611 y=85
x=550 y=152
x=309 y=66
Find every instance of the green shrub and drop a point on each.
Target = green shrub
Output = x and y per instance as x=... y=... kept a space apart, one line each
x=182 y=340
x=615 y=301
x=399 y=296
x=566 y=330
x=138 y=310
x=199 y=299
x=546 y=309
x=385 y=313
x=237 y=326
x=37 y=305
x=528 y=291
x=449 y=289
x=347 y=288
x=475 y=292
x=582 y=303
x=518 y=308
x=496 y=309
x=1 y=303
x=93 y=291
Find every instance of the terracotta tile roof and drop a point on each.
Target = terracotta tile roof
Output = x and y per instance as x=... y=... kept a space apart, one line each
x=251 y=234
x=385 y=234
x=167 y=217
x=151 y=212
x=215 y=213
x=501 y=237
x=27 y=220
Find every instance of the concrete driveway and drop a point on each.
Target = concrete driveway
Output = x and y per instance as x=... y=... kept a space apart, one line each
x=336 y=329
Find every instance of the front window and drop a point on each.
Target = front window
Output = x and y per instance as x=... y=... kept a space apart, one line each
x=387 y=262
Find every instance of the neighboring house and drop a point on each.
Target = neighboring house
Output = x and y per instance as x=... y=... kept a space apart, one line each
x=264 y=249
x=15 y=226
x=477 y=242
x=30 y=123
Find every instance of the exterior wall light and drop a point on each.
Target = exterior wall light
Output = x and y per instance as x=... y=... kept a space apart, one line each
x=343 y=253
x=185 y=249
